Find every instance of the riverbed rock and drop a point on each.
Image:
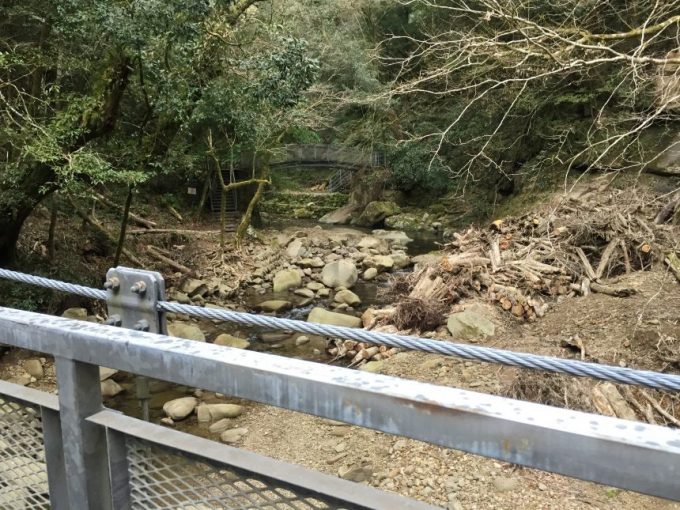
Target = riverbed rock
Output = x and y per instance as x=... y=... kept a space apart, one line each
x=233 y=435
x=393 y=237
x=381 y=262
x=301 y=340
x=315 y=286
x=110 y=388
x=274 y=305
x=341 y=216
x=106 y=373
x=186 y=330
x=323 y=293
x=311 y=262
x=370 y=274
x=75 y=313
x=34 y=368
x=306 y=293
x=400 y=259
x=212 y=412
x=220 y=426
x=193 y=287
x=339 y=273
x=369 y=242
x=322 y=316
x=180 y=408
x=180 y=297
x=375 y=213
x=287 y=279
x=231 y=341
x=295 y=249
x=469 y=325
x=348 y=297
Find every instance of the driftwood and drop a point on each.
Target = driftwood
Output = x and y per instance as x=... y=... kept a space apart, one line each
x=135 y=218
x=155 y=253
x=175 y=214
x=673 y=263
x=612 y=291
x=667 y=211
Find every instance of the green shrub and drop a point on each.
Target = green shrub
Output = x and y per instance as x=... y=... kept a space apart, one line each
x=413 y=170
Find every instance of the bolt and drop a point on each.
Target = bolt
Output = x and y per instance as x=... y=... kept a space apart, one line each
x=141 y=325
x=112 y=284
x=114 y=320
x=139 y=288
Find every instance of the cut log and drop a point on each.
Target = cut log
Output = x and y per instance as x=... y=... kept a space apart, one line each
x=612 y=291
x=604 y=259
x=174 y=212
x=151 y=250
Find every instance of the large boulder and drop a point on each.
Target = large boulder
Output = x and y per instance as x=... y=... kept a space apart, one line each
x=185 y=330
x=339 y=273
x=401 y=260
x=380 y=262
x=287 y=279
x=371 y=242
x=322 y=316
x=227 y=340
x=375 y=213
x=295 y=249
x=393 y=237
x=213 y=412
x=470 y=325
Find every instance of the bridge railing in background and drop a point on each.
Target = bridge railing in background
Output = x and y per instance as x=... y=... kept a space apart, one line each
x=81 y=455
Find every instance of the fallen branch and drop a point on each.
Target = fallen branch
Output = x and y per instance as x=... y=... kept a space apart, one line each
x=87 y=218
x=174 y=212
x=137 y=219
x=606 y=255
x=153 y=251
x=172 y=231
x=673 y=263
x=655 y=404
x=586 y=264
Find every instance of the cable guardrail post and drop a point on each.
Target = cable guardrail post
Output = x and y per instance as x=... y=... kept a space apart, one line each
x=132 y=296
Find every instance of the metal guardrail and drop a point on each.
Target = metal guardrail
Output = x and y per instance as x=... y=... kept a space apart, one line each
x=97 y=458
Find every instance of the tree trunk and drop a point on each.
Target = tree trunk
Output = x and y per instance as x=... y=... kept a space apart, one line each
x=37 y=180
x=53 y=225
x=123 y=228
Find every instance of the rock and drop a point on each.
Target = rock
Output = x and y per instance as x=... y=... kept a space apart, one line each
x=307 y=293
x=180 y=408
x=348 y=297
x=505 y=484
x=180 y=297
x=373 y=366
x=339 y=273
x=295 y=249
x=315 y=262
x=380 y=262
x=220 y=426
x=287 y=279
x=233 y=435
x=340 y=216
x=211 y=412
x=231 y=341
x=110 y=388
x=106 y=373
x=393 y=237
x=370 y=274
x=321 y=316
x=355 y=474
x=323 y=293
x=406 y=221
x=167 y=421
x=75 y=313
x=315 y=286
x=375 y=213
x=469 y=325
x=274 y=305
x=427 y=259
x=400 y=259
x=186 y=330
x=372 y=242
x=34 y=368
x=301 y=340
x=193 y=287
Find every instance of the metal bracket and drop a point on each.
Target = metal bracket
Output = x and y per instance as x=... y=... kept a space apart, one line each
x=132 y=296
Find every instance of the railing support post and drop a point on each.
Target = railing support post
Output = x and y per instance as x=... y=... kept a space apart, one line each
x=54 y=458
x=132 y=297
x=85 y=452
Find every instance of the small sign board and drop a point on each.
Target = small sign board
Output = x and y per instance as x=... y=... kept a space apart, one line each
x=191 y=191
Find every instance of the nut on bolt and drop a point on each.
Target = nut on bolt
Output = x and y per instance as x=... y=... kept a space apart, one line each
x=112 y=284
x=114 y=320
x=139 y=288
x=141 y=325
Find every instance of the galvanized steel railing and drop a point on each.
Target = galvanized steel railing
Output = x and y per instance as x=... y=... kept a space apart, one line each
x=97 y=458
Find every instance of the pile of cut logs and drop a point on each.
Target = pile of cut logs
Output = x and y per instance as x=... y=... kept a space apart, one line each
x=578 y=246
